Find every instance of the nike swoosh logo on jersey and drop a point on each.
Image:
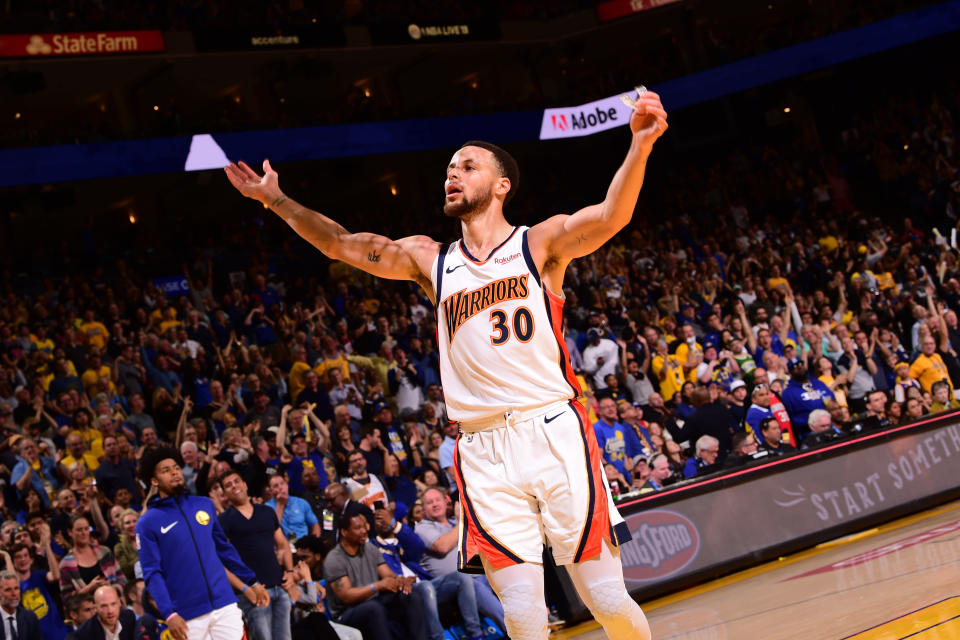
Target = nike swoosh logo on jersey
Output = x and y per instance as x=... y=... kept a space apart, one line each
x=552 y=418
x=452 y=269
x=169 y=526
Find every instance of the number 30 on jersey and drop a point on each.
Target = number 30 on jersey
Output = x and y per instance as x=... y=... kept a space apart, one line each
x=522 y=325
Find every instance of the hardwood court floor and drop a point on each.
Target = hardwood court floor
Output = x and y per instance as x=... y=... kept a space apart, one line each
x=899 y=580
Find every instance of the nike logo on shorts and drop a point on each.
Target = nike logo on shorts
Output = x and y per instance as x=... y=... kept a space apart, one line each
x=452 y=269
x=552 y=418
x=169 y=526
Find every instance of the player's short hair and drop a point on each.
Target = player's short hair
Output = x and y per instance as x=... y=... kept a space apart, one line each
x=153 y=456
x=505 y=162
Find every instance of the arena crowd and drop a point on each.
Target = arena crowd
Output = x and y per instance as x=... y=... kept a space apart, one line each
x=767 y=313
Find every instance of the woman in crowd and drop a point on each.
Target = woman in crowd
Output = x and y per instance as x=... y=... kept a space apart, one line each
x=125 y=550
x=343 y=447
x=397 y=481
x=88 y=565
x=685 y=406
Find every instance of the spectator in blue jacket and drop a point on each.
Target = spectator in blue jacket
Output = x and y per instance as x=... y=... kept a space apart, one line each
x=803 y=395
x=183 y=554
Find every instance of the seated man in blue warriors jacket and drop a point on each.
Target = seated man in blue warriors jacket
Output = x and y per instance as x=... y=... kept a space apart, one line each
x=183 y=553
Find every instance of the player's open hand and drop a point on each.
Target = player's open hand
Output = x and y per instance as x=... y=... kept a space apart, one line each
x=649 y=119
x=265 y=188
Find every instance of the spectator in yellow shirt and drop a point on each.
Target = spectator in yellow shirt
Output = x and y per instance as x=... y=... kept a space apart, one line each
x=78 y=453
x=332 y=357
x=295 y=381
x=94 y=333
x=689 y=354
x=669 y=370
x=83 y=426
x=169 y=320
x=95 y=370
x=929 y=367
x=40 y=340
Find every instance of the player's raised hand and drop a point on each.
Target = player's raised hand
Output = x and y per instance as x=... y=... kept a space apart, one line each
x=263 y=188
x=649 y=119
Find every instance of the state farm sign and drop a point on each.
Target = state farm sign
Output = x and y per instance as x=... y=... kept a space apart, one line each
x=79 y=44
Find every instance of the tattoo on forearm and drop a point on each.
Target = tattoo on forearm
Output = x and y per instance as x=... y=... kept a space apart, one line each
x=279 y=201
x=581 y=239
x=373 y=256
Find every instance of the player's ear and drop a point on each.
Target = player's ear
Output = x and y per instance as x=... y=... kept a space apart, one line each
x=502 y=186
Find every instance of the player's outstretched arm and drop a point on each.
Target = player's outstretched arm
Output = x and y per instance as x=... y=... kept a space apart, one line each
x=560 y=239
x=404 y=259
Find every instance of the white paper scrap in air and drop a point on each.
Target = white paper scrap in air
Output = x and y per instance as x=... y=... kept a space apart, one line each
x=205 y=154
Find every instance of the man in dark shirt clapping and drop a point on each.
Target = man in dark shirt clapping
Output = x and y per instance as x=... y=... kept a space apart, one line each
x=255 y=532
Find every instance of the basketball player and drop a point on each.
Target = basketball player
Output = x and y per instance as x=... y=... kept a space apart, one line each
x=527 y=463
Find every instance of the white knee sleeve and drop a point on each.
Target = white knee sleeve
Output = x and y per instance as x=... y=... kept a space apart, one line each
x=615 y=610
x=524 y=612
x=599 y=582
x=520 y=589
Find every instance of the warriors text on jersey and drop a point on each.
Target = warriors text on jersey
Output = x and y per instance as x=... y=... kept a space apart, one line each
x=499 y=332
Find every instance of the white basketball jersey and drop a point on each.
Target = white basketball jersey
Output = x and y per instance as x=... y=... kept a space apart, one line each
x=498 y=332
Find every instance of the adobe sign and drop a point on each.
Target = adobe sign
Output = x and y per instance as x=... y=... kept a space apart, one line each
x=21 y=45
x=586 y=119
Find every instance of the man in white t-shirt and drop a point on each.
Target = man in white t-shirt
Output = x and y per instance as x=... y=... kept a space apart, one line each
x=361 y=486
x=600 y=357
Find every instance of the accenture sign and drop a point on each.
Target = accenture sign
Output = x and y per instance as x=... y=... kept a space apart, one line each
x=584 y=120
x=79 y=44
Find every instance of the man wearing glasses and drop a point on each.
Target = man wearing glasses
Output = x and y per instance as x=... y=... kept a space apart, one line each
x=704 y=459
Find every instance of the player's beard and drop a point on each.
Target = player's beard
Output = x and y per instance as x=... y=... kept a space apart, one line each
x=466 y=206
x=178 y=490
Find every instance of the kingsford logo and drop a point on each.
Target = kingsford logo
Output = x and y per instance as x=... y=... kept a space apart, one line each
x=510 y=258
x=664 y=542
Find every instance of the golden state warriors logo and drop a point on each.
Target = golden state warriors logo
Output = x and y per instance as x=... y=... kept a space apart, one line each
x=34 y=601
x=203 y=517
x=463 y=305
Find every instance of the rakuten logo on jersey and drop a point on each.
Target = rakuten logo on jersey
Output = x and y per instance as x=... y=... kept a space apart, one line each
x=569 y=122
x=664 y=542
x=507 y=259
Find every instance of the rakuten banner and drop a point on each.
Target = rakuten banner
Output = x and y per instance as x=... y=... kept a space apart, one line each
x=21 y=45
x=593 y=117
